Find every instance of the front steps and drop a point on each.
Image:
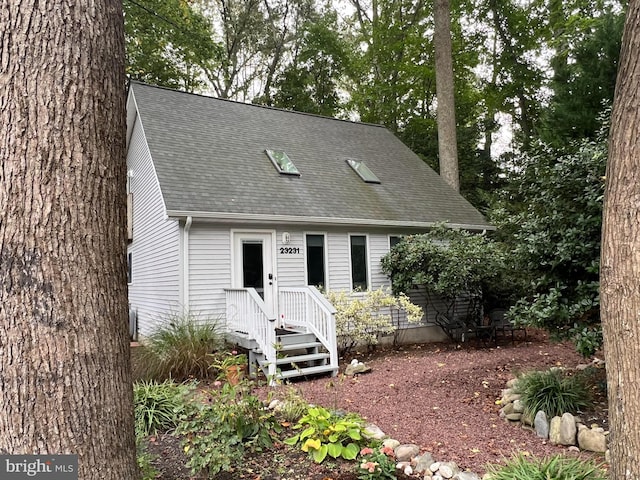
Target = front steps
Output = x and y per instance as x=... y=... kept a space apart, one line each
x=298 y=355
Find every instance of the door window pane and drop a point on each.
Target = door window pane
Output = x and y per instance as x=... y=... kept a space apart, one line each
x=252 y=273
x=315 y=260
x=359 y=261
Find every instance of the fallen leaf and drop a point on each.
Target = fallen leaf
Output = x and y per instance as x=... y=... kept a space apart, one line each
x=475 y=450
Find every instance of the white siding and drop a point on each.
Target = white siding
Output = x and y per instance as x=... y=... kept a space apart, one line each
x=291 y=266
x=339 y=267
x=379 y=247
x=209 y=269
x=155 y=288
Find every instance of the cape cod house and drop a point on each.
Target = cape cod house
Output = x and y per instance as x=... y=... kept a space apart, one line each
x=239 y=211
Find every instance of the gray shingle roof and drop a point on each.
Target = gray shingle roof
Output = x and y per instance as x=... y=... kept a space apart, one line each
x=209 y=156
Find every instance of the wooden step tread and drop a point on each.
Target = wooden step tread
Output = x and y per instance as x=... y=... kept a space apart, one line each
x=300 y=372
x=298 y=346
x=302 y=358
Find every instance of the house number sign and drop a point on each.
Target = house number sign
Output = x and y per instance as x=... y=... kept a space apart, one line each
x=289 y=250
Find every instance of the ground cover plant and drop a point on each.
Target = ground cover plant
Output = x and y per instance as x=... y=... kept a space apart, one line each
x=159 y=406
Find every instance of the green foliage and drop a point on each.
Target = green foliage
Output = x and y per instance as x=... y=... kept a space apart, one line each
x=450 y=264
x=217 y=435
x=361 y=317
x=553 y=392
x=553 y=219
x=376 y=464
x=327 y=433
x=168 y=43
x=180 y=349
x=292 y=405
x=158 y=406
x=557 y=467
x=145 y=459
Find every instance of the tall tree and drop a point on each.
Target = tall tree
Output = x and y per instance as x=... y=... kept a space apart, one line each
x=65 y=386
x=447 y=139
x=169 y=43
x=620 y=261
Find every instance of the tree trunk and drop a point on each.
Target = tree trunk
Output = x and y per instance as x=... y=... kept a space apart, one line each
x=620 y=262
x=66 y=385
x=446 y=113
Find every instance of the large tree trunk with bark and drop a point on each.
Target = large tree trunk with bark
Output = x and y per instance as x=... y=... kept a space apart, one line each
x=620 y=263
x=65 y=383
x=446 y=113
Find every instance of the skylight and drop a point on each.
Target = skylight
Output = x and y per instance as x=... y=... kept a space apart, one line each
x=282 y=162
x=361 y=169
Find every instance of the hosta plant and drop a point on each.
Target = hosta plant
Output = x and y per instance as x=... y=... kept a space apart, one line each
x=328 y=434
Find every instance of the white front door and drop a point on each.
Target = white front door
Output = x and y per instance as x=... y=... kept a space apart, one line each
x=254 y=265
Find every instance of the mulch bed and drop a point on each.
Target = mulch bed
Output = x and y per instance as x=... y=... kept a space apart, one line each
x=441 y=397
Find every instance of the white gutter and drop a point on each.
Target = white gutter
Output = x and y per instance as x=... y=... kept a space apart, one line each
x=185 y=263
x=293 y=219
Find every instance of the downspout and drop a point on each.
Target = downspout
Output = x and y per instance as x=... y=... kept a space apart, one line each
x=185 y=265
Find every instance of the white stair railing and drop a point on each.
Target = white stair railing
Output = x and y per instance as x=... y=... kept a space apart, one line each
x=306 y=308
x=246 y=313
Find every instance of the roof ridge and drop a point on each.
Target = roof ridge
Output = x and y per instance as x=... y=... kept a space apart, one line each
x=257 y=105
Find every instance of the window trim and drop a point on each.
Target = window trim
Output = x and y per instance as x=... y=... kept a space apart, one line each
x=325 y=257
x=392 y=235
x=270 y=153
x=367 y=260
x=365 y=173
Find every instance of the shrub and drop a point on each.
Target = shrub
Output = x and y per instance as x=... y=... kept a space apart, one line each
x=292 y=406
x=376 y=464
x=553 y=392
x=361 y=317
x=180 y=349
x=556 y=468
x=216 y=435
x=158 y=406
x=326 y=433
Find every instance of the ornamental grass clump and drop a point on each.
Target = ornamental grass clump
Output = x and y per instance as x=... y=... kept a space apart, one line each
x=180 y=349
x=557 y=467
x=552 y=391
x=158 y=407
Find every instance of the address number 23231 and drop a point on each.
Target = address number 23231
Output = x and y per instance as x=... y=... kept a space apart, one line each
x=289 y=250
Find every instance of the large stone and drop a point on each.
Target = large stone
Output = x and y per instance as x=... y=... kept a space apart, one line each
x=391 y=443
x=592 y=440
x=448 y=469
x=554 y=430
x=514 y=417
x=512 y=383
x=352 y=369
x=373 y=432
x=568 y=429
x=507 y=409
x=518 y=406
x=405 y=452
x=541 y=424
x=423 y=462
x=511 y=397
x=467 y=476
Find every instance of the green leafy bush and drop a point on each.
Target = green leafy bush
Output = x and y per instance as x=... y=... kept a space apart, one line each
x=292 y=405
x=553 y=392
x=145 y=460
x=556 y=468
x=216 y=435
x=376 y=464
x=158 y=406
x=180 y=349
x=362 y=317
x=326 y=433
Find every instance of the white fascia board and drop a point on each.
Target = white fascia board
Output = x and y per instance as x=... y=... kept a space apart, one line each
x=324 y=221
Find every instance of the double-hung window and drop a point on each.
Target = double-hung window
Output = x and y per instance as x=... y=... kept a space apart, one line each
x=359 y=271
x=315 y=260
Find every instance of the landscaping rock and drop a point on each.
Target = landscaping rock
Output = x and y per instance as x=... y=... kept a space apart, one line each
x=518 y=406
x=592 y=440
x=423 y=462
x=356 y=367
x=568 y=429
x=514 y=417
x=373 y=432
x=391 y=443
x=541 y=425
x=406 y=452
x=554 y=430
x=466 y=476
x=448 y=469
x=512 y=383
